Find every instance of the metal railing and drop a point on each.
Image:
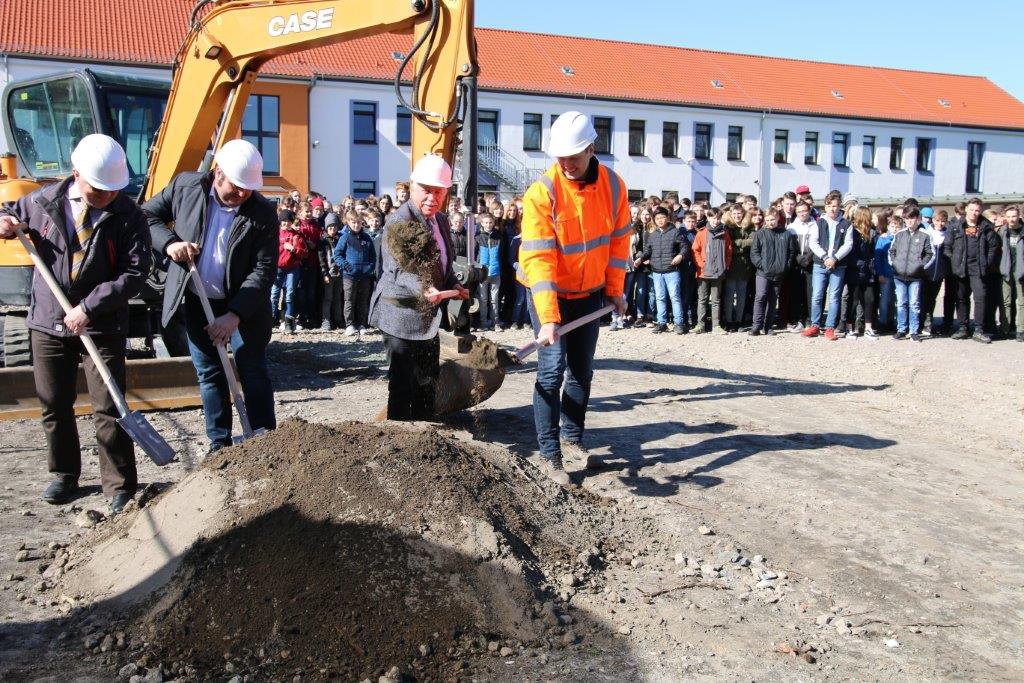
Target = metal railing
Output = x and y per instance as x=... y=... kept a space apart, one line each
x=511 y=173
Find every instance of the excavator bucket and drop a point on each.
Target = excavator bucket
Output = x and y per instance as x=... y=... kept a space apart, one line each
x=153 y=384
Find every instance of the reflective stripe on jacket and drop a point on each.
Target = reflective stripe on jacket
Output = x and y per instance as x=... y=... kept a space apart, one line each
x=575 y=239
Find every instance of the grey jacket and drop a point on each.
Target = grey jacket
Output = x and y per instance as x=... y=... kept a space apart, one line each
x=910 y=253
x=1011 y=261
x=252 y=245
x=117 y=260
x=388 y=311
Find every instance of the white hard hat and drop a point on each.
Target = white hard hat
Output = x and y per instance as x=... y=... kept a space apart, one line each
x=241 y=163
x=101 y=162
x=432 y=170
x=571 y=133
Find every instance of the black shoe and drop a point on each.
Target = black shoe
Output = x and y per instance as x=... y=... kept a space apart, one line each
x=680 y=329
x=915 y=337
x=960 y=334
x=755 y=332
x=658 y=329
x=900 y=336
x=60 y=491
x=118 y=502
x=982 y=337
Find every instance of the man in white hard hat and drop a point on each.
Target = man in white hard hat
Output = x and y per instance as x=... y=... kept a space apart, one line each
x=575 y=240
x=410 y=331
x=94 y=239
x=230 y=231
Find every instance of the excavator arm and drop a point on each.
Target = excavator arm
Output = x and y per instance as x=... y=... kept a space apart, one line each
x=230 y=41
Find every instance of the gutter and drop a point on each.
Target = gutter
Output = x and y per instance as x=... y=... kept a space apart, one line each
x=310 y=143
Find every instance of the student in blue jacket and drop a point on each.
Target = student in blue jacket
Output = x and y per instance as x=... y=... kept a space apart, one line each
x=357 y=258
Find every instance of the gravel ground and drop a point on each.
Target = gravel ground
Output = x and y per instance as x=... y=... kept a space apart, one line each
x=802 y=509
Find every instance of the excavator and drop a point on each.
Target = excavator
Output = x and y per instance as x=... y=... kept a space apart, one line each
x=220 y=57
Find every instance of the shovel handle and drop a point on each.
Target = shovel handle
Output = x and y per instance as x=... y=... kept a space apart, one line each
x=222 y=351
x=87 y=342
x=566 y=329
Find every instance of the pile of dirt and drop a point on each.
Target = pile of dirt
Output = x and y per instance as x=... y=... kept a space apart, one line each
x=345 y=551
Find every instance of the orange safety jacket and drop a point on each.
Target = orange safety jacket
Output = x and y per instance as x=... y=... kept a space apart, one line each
x=575 y=239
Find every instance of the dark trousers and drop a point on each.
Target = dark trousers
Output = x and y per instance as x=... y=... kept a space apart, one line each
x=569 y=360
x=859 y=305
x=330 y=309
x=357 y=300
x=688 y=294
x=929 y=295
x=55 y=368
x=521 y=310
x=248 y=346
x=796 y=296
x=413 y=367
x=766 y=298
x=309 y=283
x=967 y=288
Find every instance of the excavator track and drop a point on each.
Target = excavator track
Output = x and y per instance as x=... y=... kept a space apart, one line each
x=153 y=384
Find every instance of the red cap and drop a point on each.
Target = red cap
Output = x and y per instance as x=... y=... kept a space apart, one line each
x=803 y=189
x=316 y=201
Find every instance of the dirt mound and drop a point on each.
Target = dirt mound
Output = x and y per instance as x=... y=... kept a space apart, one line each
x=347 y=550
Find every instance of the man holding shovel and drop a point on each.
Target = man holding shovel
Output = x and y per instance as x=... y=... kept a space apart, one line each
x=575 y=241
x=95 y=241
x=229 y=231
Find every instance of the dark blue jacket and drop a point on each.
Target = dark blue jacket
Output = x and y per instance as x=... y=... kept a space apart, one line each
x=860 y=264
x=355 y=255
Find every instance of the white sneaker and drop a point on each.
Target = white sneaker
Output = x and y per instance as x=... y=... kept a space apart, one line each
x=362 y=331
x=796 y=327
x=350 y=331
x=283 y=327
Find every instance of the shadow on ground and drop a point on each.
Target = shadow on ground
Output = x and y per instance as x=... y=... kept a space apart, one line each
x=298 y=363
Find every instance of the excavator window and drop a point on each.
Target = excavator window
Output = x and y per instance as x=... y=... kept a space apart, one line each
x=48 y=120
x=134 y=119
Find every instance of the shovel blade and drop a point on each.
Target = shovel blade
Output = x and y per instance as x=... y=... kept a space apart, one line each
x=242 y=437
x=146 y=437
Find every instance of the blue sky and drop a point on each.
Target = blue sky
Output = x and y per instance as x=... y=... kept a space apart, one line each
x=942 y=35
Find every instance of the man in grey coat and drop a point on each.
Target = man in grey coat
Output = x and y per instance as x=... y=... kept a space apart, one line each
x=410 y=335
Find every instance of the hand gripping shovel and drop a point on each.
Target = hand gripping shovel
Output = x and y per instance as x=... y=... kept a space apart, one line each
x=565 y=329
x=134 y=423
x=229 y=370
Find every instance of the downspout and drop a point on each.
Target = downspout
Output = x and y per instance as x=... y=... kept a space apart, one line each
x=310 y=143
x=764 y=171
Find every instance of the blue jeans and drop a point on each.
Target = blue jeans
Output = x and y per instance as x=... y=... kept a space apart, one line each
x=908 y=299
x=667 y=287
x=520 y=310
x=643 y=294
x=248 y=345
x=288 y=280
x=885 y=295
x=823 y=277
x=573 y=352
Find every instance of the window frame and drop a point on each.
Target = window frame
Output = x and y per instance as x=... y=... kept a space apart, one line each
x=845 y=138
x=674 y=137
x=929 y=159
x=710 y=135
x=701 y=196
x=784 y=137
x=497 y=124
x=634 y=195
x=895 y=154
x=637 y=126
x=816 y=159
x=734 y=132
x=538 y=123
x=866 y=162
x=272 y=170
x=602 y=122
x=356 y=113
x=977 y=168
x=402 y=114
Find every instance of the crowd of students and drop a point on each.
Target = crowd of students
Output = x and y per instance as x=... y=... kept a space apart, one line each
x=838 y=270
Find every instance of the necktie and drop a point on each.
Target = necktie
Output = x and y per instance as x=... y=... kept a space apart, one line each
x=83 y=231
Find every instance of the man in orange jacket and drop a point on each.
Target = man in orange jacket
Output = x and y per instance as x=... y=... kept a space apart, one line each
x=575 y=241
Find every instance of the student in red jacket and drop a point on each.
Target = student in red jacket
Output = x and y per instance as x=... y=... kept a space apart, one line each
x=712 y=252
x=293 y=251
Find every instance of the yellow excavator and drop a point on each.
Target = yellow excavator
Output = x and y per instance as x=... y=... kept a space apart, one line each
x=227 y=43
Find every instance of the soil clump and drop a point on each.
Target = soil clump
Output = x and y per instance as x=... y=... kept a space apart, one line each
x=415 y=251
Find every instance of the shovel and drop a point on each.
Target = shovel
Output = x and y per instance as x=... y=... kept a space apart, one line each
x=133 y=423
x=564 y=329
x=229 y=370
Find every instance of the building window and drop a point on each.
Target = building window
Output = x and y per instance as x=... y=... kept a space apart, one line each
x=702 y=196
x=702 y=133
x=404 y=135
x=361 y=189
x=925 y=148
x=840 y=149
x=637 y=134
x=261 y=125
x=975 y=155
x=487 y=128
x=670 y=139
x=554 y=117
x=781 y=146
x=603 y=143
x=735 y=149
x=665 y=194
x=811 y=148
x=364 y=123
x=731 y=197
x=896 y=154
x=869 y=152
x=635 y=195
x=532 y=124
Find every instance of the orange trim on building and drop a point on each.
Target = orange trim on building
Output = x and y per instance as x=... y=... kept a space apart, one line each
x=293 y=113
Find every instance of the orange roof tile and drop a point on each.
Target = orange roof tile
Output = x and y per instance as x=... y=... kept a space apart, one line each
x=122 y=31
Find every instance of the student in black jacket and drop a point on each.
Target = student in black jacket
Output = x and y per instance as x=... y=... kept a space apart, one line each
x=773 y=254
x=974 y=250
x=663 y=252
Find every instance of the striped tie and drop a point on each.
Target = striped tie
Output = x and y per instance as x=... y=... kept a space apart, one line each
x=83 y=231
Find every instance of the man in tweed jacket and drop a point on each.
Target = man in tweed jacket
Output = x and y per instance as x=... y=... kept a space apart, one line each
x=410 y=335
